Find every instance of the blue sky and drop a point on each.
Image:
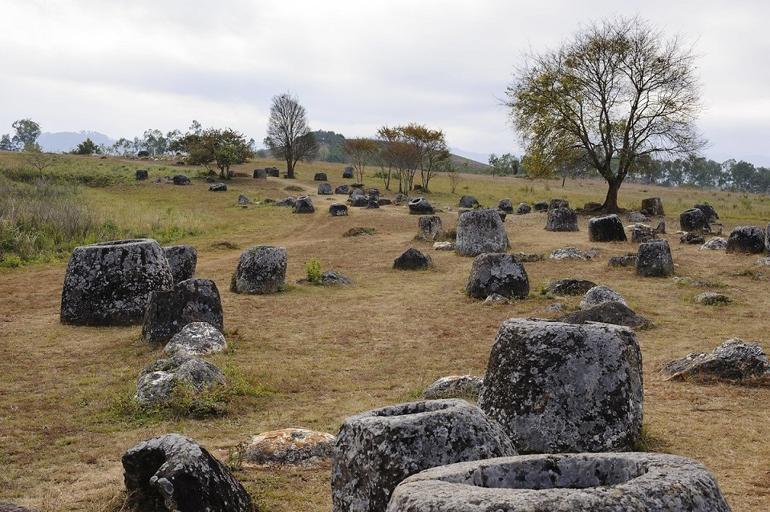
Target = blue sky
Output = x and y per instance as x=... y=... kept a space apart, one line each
x=120 y=66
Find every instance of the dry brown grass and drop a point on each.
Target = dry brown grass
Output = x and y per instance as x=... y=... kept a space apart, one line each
x=330 y=352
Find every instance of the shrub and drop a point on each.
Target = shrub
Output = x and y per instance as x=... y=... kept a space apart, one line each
x=313 y=270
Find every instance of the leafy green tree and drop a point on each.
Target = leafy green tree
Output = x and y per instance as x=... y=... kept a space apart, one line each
x=617 y=91
x=27 y=132
x=288 y=134
x=87 y=147
x=6 y=144
x=221 y=148
x=503 y=165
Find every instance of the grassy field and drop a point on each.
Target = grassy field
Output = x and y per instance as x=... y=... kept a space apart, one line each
x=310 y=356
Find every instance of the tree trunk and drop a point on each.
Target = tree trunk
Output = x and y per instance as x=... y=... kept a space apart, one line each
x=611 y=201
x=289 y=169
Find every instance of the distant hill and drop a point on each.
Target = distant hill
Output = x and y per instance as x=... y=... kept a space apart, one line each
x=332 y=149
x=58 y=142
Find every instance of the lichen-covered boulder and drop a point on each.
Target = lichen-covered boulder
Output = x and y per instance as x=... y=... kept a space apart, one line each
x=691 y=238
x=196 y=339
x=290 y=447
x=334 y=278
x=173 y=473
x=338 y=210
x=652 y=206
x=497 y=273
x=303 y=205
x=654 y=259
x=261 y=270
x=558 y=203
x=600 y=294
x=712 y=299
x=319 y=176
x=523 y=209
x=217 y=187
x=443 y=246
x=358 y=200
x=376 y=450
x=468 y=202
x=192 y=300
x=612 y=312
x=505 y=205
x=466 y=387
x=572 y=253
x=607 y=228
x=569 y=286
x=561 y=219
x=429 y=227
x=480 y=231
x=715 y=244
x=420 y=206
x=733 y=360
x=692 y=220
x=575 y=482
x=637 y=217
x=626 y=260
x=342 y=189
x=557 y=387
x=324 y=189
x=709 y=212
x=641 y=233
x=110 y=283
x=182 y=259
x=412 y=259
x=746 y=239
x=158 y=381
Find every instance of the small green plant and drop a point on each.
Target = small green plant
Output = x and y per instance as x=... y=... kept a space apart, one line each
x=235 y=457
x=313 y=270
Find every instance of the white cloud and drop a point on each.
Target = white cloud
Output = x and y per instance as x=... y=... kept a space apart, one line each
x=123 y=66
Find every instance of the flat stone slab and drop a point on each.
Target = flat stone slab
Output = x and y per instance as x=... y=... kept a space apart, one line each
x=733 y=360
x=290 y=447
x=581 y=482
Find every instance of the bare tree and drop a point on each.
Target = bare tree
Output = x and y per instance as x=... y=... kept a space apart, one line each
x=361 y=153
x=618 y=91
x=288 y=133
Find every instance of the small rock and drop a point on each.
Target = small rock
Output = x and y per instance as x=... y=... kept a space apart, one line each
x=288 y=201
x=569 y=286
x=691 y=238
x=556 y=307
x=324 y=189
x=290 y=447
x=342 y=189
x=338 y=210
x=468 y=202
x=455 y=386
x=733 y=360
x=217 y=187
x=319 y=176
x=412 y=259
x=157 y=382
x=540 y=206
x=443 y=246
x=524 y=257
x=608 y=313
x=712 y=299
x=505 y=205
x=524 y=209
x=627 y=260
x=196 y=339
x=333 y=278
x=571 y=253
x=243 y=200
x=715 y=244
x=637 y=217
x=763 y=262
x=496 y=298
x=181 y=179
x=599 y=295
x=304 y=205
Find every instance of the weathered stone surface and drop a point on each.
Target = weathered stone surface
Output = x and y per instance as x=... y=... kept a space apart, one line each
x=376 y=450
x=654 y=259
x=412 y=259
x=142 y=174
x=384 y=201
x=372 y=202
x=110 y=283
x=420 y=206
x=480 y=231
x=641 y=233
x=765 y=262
x=443 y=246
x=502 y=215
x=497 y=273
x=505 y=205
x=429 y=227
x=569 y=286
x=324 y=189
x=468 y=202
x=358 y=200
x=261 y=270
x=523 y=209
x=528 y=257
x=571 y=253
x=692 y=220
x=259 y=174
x=192 y=300
x=561 y=219
x=287 y=201
x=342 y=189
x=347 y=173
x=715 y=244
x=334 y=278
x=579 y=482
x=691 y=238
x=182 y=259
x=540 y=206
x=557 y=387
x=338 y=210
x=157 y=381
x=627 y=260
x=599 y=295
x=217 y=187
x=303 y=205
x=712 y=299
x=196 y=339
x=558 y=203
x=181 y=179
x=400 y=199
x=637 y=217
x=556 y=307
x=373 y=192
x=496 y=299
x=652 y=206
x=746 y=239
x=243 y=200
x=173 y=473
x=319 y=176
x=608 y=313
x=607 y=228
x=709 y=212
x=290 y=447
x=10 y=507
x=466 y=387
x=660 y=229
x=273 y=172
x=357 y=191
x=733 y=360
